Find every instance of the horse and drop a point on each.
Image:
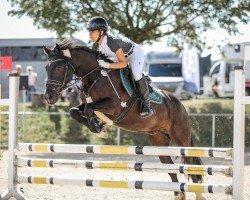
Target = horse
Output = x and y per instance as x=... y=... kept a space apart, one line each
x=103 y=93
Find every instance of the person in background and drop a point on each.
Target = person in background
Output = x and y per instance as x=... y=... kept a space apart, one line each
x=32 y=81
x=19 y=69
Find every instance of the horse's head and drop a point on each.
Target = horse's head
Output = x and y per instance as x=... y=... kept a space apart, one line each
x=59 y=73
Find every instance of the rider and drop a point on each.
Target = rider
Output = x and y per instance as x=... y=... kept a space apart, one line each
x=122 y=51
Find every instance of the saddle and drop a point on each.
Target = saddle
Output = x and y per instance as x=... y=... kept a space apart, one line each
x=132 y=89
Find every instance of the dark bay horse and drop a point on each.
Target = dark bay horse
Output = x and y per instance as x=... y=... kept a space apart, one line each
x=170 y=123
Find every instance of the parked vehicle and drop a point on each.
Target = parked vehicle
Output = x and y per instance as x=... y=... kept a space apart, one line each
x=165 y=71
x=220 y=80
x=26 y=52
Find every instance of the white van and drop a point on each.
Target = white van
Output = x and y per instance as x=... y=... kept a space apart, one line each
x=165 y=71
x=220 y=80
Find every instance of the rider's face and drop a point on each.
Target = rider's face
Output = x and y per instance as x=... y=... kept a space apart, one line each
x=94 y=35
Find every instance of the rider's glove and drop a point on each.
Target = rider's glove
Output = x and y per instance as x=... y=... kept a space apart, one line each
x=103 y=64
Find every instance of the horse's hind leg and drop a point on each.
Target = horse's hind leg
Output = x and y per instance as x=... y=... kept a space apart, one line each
x=183 y=138
x=160 y=139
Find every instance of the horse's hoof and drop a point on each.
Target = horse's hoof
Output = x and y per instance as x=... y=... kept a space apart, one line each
x=180 y=196
x=102 y=134
x=199 y=196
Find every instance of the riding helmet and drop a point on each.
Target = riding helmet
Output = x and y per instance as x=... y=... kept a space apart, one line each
x=97 y=23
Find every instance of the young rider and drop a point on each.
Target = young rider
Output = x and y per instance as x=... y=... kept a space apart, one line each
x=122 y=51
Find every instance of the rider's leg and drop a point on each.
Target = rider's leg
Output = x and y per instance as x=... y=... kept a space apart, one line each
x=146 y=109
x=136 y=61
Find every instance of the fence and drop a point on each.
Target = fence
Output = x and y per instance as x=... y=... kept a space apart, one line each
x=210 y=127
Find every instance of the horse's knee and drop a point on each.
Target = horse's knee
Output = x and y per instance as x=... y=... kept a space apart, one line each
x=88 y=111
x=74 y=113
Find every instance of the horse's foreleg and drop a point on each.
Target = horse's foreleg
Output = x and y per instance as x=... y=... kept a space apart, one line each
x=93 y=123
x=77 y=114
x=102 y=107
x=105 y=106
x=97 y=109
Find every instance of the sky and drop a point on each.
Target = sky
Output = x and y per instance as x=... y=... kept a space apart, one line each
x=14 y=27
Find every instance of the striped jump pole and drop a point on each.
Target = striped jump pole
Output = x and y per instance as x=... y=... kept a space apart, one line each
x=141 y=185
x=12 y=102
x=127 y=150
x=127 y=166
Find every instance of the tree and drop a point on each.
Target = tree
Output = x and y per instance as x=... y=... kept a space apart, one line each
x=143 y=21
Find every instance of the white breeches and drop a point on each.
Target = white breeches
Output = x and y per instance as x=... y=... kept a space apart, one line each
x=136 y=62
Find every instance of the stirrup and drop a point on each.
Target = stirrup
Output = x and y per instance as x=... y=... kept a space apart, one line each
x=146 y=111
x=146 y=114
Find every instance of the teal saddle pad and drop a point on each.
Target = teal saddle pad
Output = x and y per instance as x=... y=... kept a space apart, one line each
x=155 y=97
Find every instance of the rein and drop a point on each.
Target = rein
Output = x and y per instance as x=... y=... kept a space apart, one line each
x=59 y=86
x=62 y=84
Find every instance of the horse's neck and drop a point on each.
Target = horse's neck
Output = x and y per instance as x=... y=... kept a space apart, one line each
x=85 y=62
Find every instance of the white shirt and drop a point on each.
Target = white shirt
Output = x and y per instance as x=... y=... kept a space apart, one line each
x=32 y=78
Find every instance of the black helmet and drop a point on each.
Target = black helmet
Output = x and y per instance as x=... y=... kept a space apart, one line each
x=97 y=23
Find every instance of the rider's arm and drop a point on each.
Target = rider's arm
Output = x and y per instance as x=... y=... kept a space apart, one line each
x=122 y=63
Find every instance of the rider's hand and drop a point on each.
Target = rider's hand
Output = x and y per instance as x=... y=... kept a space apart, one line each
x=103 y=64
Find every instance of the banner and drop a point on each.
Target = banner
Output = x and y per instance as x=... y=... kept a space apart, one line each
x=5 y=63
x=190 y=69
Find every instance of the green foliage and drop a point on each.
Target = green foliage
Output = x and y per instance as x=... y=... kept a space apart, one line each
x=44 y=128
x=129 y=138
x=209 y=105
x=72 y=132
x=4 y=125
x=141 y=21
x=201 y=127
x=37 y=129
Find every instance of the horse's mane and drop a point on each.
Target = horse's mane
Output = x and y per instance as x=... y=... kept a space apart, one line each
x=77 y=44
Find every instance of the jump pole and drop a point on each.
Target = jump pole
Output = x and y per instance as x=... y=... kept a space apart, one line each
x=128 y=166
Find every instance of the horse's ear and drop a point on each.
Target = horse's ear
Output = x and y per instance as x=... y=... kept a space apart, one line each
x=46 y=50
x=58 y=48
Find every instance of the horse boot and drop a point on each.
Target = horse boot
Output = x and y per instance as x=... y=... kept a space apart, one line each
x=94 y=125
x=145 y=108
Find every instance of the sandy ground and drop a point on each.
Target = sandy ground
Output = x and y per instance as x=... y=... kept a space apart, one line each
x=55 y=192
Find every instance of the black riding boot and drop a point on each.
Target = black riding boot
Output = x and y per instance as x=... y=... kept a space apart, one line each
x=145 y=110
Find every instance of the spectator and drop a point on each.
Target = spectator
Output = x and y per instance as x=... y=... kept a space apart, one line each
x=32 y=81
x=19 y=69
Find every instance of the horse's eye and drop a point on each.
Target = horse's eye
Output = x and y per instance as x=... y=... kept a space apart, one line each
x=58 y=67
